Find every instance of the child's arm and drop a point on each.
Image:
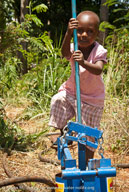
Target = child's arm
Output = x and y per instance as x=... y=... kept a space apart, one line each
x=73 y=24
x=95 y=69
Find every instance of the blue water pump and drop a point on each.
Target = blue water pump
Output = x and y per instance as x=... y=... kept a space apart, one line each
x=84 y=178
x=94 y=177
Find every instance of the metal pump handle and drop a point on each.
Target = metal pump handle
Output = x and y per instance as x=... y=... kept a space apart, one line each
x=77 y=77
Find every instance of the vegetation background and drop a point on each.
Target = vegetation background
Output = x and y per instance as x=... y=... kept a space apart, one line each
x=32 y=68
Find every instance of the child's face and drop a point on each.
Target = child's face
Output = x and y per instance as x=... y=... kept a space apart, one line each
x=87 y=30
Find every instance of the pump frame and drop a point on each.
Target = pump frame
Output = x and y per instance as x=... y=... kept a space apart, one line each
x=83 y=178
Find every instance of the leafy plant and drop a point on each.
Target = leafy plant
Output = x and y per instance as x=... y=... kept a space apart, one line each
x=12 y=137
x=14 y=35
x=120 y=9
x=106 y=25
x=8 y=75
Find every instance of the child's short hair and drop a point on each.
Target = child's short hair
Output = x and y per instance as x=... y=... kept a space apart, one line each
x=90 y=13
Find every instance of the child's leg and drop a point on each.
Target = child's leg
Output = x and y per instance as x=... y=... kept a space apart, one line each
x=53 y=138
x=89 y=150
x=61 y=110
x=89 y=155
x=91 y=116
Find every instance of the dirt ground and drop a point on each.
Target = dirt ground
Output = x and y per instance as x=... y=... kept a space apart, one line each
x=28 y=163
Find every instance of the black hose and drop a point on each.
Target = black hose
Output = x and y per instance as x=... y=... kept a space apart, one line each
x=123 y=166
x=23 y=179
x=16 y=180
x=10 y=175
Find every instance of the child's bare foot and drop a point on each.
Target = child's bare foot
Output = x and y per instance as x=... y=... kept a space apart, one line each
x=53 y=138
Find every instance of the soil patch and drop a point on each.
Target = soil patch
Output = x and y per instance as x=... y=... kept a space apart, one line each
x=28 y=163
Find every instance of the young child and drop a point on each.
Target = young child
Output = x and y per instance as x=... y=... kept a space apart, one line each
x=91 y=57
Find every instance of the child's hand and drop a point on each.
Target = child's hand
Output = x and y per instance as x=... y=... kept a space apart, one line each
x=78 y=56
x=73 y=24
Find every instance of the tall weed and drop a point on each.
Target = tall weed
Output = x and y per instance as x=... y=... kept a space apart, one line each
x=115 y=119
x=42 y=82
x=115 y=123
x=116 y=78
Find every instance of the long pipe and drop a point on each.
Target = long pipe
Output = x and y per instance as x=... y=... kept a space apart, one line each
x=105 y=172
x=77 y=78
